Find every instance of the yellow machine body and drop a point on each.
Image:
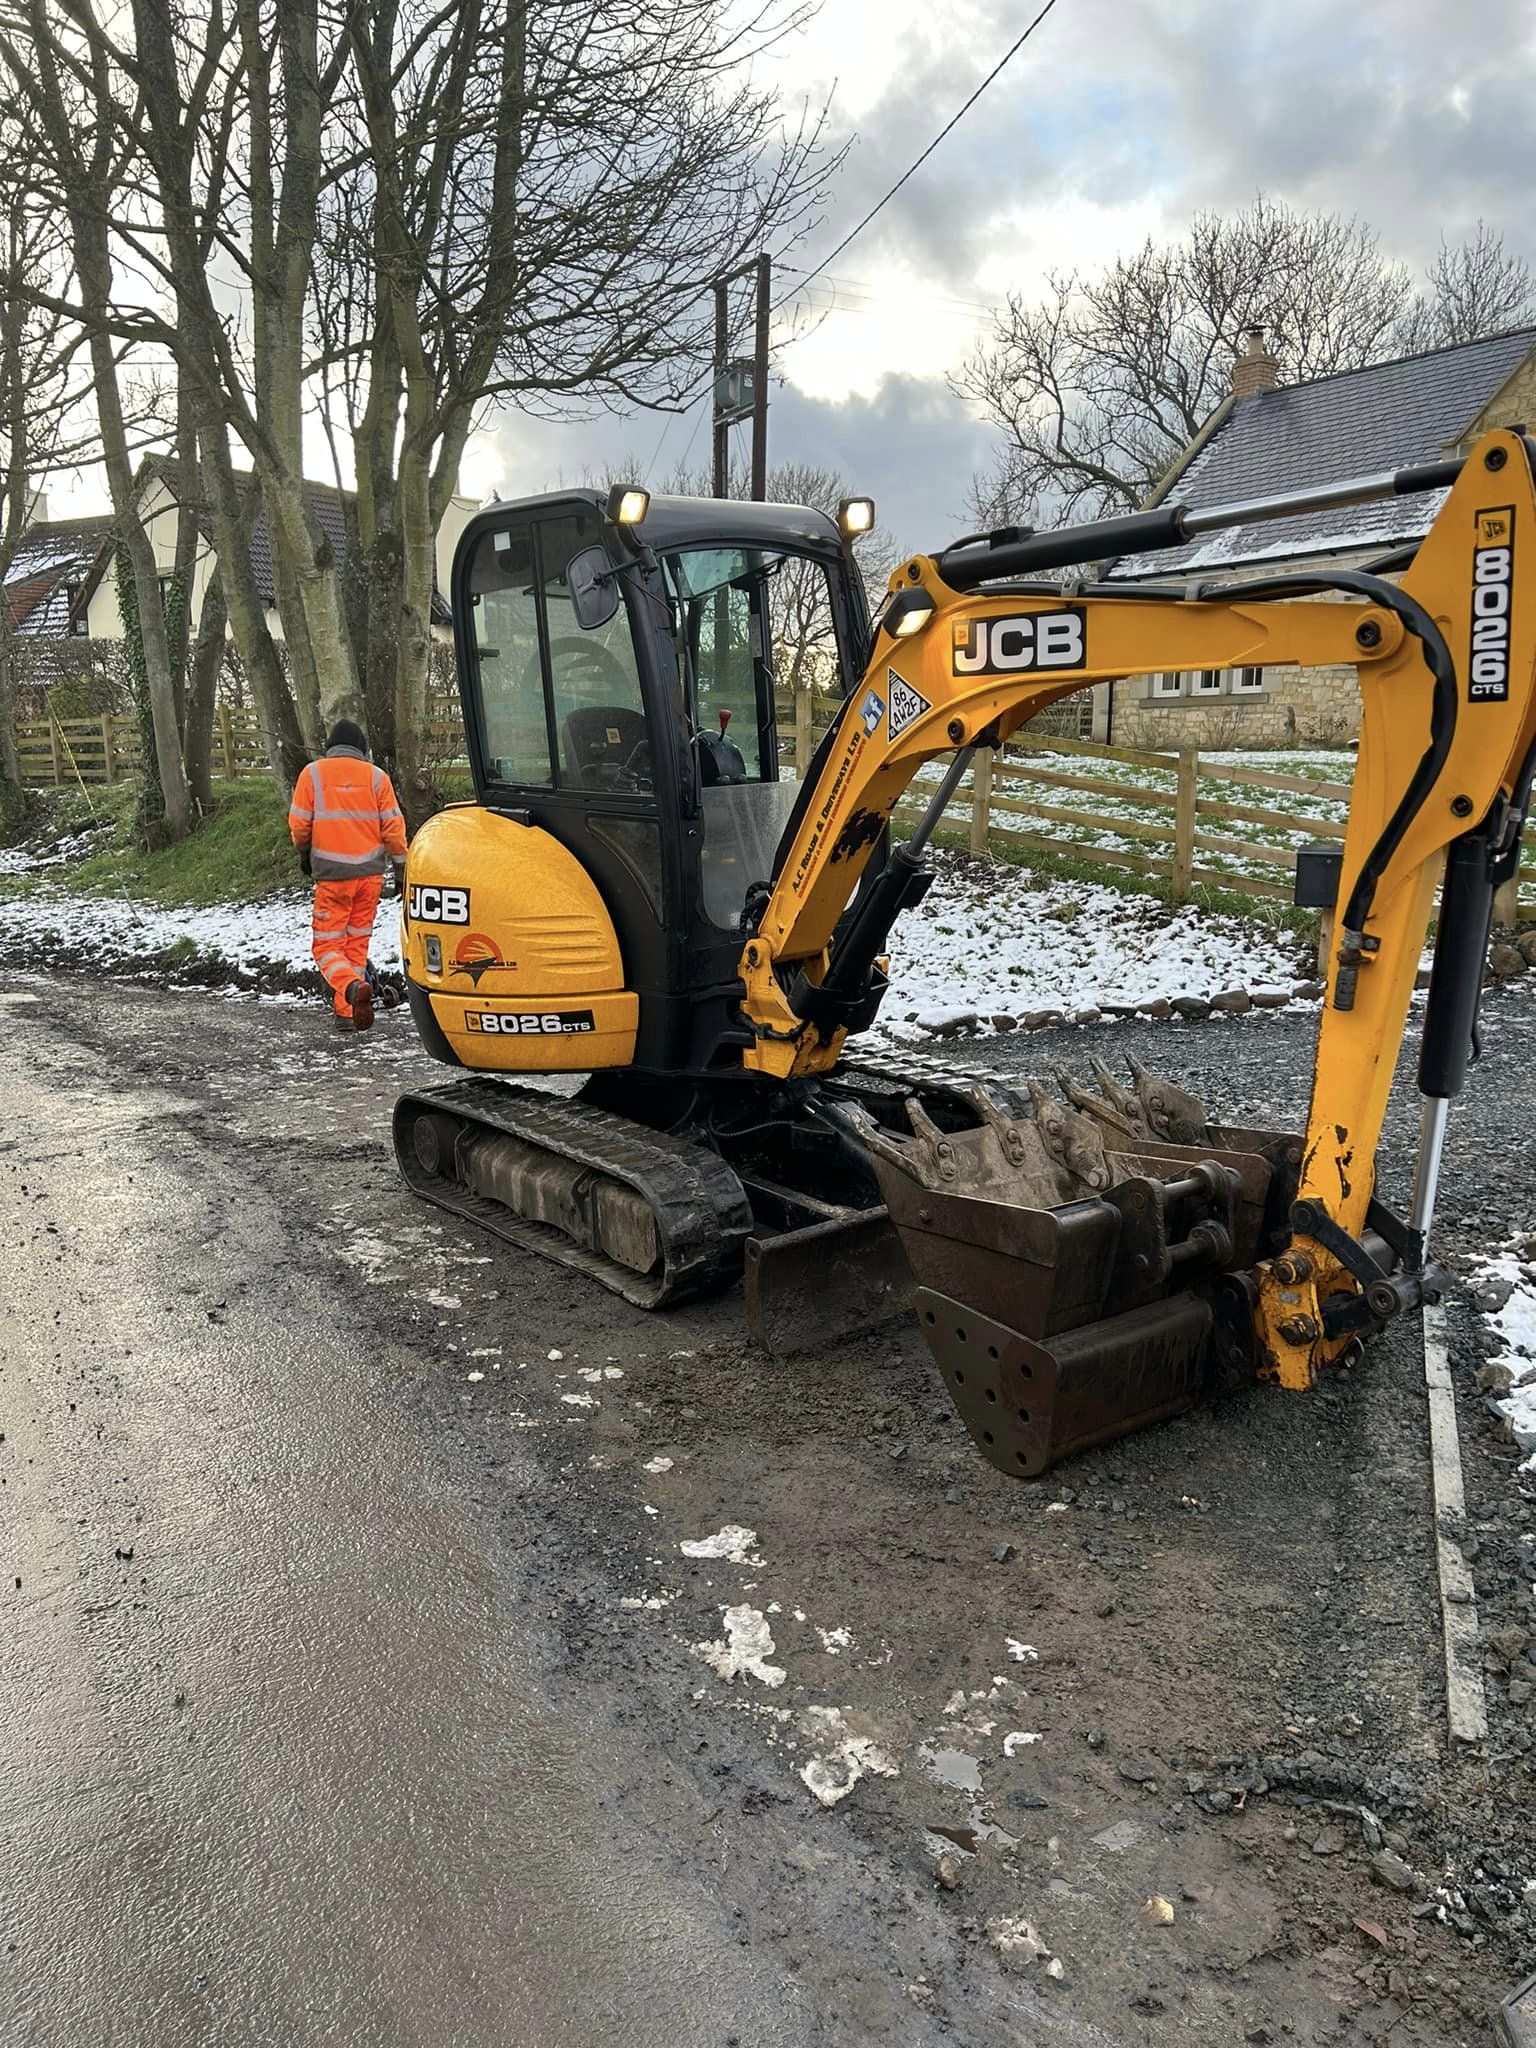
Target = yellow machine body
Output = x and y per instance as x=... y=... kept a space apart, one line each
x=507 y=936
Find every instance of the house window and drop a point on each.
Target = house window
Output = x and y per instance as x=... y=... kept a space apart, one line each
x=79 y=623
x=1247 y=682
x=1170 y=684
x=1206 y=682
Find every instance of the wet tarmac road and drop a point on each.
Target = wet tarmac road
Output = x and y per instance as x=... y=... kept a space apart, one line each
x=283 y=1761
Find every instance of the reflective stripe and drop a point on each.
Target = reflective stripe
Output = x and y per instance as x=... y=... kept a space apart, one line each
x=359 y=931
x=350 y=860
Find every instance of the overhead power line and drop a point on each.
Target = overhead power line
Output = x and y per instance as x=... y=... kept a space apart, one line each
x=917 y=162
x=806 y=277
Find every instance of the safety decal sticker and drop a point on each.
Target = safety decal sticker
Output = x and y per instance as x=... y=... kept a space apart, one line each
x=907 y=705
x=1493 y=572
x=437 y=906
x=871 y=711
x=547 y=1024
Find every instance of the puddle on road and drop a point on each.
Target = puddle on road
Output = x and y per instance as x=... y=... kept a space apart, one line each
x=959 y=1770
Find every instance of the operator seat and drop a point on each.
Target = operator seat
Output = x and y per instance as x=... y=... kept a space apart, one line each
x=600 y=740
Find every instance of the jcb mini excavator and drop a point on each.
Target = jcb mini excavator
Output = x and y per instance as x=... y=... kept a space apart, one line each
x=638 y=896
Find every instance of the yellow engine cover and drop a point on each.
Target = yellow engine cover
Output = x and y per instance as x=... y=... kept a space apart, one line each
x=505 y=933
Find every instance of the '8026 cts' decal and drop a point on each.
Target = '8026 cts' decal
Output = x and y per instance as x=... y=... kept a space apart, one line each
x=544 y=1024
x=1493 y=575
x=1034 y=641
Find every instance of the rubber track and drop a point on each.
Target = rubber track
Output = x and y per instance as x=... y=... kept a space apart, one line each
x=701 y=1210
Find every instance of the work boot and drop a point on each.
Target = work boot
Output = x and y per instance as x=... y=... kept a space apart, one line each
x=360 y=997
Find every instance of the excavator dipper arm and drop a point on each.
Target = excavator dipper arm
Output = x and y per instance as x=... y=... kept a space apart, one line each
x=1446 y=667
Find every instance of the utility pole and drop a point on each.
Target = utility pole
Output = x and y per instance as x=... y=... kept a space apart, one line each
x=741 y=383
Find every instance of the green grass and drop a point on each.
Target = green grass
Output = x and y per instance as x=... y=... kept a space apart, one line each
x=237 y=854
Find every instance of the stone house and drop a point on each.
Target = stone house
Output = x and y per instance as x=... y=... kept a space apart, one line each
x=1265 y=438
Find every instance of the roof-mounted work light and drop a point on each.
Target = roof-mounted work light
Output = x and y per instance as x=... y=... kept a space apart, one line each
x=628 y=504
x=855 y=517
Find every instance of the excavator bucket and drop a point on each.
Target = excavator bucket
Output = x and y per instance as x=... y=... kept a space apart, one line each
x=1083 y=1268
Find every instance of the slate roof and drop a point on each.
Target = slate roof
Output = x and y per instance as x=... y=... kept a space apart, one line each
x=1415 y=409
x=52 y=555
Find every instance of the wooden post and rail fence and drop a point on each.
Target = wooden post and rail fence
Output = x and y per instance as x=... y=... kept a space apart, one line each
x=1168 y=815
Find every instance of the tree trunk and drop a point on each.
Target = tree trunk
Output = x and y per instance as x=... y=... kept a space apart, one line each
x=12 y=796
x=301 y=658
x=305 y=566
x=270 y=694
x=202 y=688
x=417 y=537
x=136 y=543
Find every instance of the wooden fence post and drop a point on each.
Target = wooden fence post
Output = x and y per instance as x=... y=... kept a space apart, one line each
x=53 y=748
x=981 y=798
x=227 y=742
x=108 y=758
x=1184 y=824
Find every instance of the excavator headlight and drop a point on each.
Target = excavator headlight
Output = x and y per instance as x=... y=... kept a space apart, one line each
x=907 y=613
x=855 y=516
x=628 y=504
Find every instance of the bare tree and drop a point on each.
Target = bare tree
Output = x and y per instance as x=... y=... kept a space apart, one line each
x=1097 y=386
x=1474 y=288
x=539 y=194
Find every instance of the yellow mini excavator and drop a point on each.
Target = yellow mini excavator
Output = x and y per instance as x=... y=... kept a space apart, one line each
x=637 y=896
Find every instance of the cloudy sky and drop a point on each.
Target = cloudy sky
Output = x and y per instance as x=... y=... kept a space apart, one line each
x=1119 y=118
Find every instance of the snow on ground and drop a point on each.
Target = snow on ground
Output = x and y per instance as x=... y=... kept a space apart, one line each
x=1514 y=1323
x=998 y=938
x=248 y=935
x=988 y=938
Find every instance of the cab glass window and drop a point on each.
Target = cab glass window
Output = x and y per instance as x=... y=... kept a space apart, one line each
x=504 y=600
x=598 y=712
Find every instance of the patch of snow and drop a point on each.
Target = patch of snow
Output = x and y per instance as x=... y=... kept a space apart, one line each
x=842 y=1757
x=997 y=937
x=746 y=1649
x=733 y=1542
x=436 y=1300
x=581 y=1401
x=1515 y=1326
x=657 y=1465
x=472 y=1376
x=1019 y=1739
x=1022 y=1653
x=248 y=935
x=834 y=1640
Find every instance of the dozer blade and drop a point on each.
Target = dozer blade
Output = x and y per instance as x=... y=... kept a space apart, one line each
x=811 y=1287
x=1083 y=1270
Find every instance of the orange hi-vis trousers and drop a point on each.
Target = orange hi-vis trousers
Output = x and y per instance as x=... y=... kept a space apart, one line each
x=344 y=913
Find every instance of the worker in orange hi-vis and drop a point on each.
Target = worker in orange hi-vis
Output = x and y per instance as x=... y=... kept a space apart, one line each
x=347 y=825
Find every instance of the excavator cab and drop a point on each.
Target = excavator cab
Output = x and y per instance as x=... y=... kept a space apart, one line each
x=623 y=687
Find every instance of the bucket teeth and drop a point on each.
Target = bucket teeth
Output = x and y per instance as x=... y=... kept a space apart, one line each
x=1170 y=1112
x=1125 y=1100
x=1073 y=1140
x=1108 y=1113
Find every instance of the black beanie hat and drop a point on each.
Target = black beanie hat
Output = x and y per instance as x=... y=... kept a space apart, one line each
x=345 y=734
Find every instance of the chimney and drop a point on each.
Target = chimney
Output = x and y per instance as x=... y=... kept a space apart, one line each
x=1255 y=369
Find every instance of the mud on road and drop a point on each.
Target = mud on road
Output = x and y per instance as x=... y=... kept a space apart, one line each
x=933 y=1739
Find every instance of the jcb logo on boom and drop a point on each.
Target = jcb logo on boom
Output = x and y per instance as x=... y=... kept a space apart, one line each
x=1493 y=568
x=1034 y=641
x=438 y=906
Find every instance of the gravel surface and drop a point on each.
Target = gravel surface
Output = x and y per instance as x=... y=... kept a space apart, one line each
x=1150 y=1752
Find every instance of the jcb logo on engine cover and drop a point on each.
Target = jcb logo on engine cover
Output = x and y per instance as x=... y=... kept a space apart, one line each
x=1033 y=641
x=433 y=905
x=547 y=1024
x=1493 y=573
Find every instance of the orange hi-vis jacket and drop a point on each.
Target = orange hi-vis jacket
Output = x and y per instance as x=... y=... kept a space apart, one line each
x=345 y=814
